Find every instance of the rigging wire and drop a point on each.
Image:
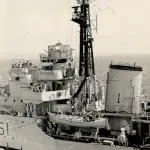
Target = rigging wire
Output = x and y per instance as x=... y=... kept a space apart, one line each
x=67 y=36
x=93 y=6
x=70 y=28
x=76 y=48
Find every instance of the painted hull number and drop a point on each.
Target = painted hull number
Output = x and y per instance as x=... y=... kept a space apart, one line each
x=1 y=131
x=1 y=128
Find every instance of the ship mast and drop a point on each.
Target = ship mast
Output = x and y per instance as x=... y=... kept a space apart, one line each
x=81 y=16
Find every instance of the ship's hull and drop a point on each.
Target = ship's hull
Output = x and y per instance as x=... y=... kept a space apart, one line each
x=25 y=132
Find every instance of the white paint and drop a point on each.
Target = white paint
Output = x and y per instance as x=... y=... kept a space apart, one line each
x=52 y=95
x=128 y=84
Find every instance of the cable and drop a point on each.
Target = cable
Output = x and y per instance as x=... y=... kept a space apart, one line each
x=69 y=39
x=68 y=21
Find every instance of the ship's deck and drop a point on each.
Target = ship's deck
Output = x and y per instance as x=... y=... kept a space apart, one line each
x=25 y=132
x=68 y=145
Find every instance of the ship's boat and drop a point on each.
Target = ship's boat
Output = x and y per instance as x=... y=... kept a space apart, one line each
x=77 y=121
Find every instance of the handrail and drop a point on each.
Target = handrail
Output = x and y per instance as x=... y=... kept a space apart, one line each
x=83 y=136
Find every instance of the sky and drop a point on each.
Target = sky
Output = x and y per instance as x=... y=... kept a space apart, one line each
x=29 y=26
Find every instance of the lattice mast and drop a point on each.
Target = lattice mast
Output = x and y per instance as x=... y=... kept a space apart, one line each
x=81 y=16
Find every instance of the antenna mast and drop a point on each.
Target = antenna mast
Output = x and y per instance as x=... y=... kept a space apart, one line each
x=81 y=16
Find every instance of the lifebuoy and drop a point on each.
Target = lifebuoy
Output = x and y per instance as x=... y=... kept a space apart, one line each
x=59 y=94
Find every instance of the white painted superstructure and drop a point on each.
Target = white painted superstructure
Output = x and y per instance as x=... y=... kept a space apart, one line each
x=123 y=89
x=31 y=85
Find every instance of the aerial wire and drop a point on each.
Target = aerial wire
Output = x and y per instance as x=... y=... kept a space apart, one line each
x=67 y=34
x=99 y=9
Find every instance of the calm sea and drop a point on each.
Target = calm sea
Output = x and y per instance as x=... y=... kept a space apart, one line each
x=101 y=65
